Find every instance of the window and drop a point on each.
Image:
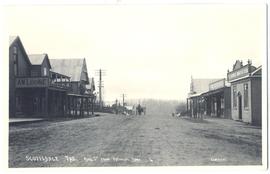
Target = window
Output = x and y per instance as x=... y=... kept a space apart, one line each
x=15 y=60
x=14 y=50
x=234 y=97
x=246 y=95
x=45 y=71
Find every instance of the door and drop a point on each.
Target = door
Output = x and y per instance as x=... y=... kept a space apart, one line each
x=240 y=106
x=36 y=104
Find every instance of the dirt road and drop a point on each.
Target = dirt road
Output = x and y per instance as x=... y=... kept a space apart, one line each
x=149 y=140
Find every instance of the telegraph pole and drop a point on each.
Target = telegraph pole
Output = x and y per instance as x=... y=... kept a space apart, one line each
x=123 y=99
x=100 y=86
x=100 y=73
x=123 y=96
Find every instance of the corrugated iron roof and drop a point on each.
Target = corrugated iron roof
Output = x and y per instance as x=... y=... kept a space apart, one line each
x=70 y=67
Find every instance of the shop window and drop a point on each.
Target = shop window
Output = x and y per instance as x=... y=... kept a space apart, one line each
x=234 y=97
x=246 y=95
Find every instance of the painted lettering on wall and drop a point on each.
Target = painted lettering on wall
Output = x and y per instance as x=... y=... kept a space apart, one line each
x=217 y=84
x=31 y=82
x=238 y=73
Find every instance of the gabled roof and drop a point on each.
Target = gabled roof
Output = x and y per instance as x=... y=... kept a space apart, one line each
x=70 y=67
x=14 y=39
x=91 y=84
x=37 y=59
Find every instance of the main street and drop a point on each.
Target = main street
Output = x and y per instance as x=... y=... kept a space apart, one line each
x=146 y=140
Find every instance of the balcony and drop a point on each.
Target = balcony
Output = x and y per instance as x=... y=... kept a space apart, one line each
x=59 y=80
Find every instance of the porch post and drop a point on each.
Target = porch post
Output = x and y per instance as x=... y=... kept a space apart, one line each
x=46 y=102
x=187 y=105
x=92 y=105
x=87 y=105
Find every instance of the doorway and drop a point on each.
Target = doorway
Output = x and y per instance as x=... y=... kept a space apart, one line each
x=240 y=106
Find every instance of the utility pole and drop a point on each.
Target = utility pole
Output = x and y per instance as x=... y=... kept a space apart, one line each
x=100 y=73
x=123 y=100
x=123 y=96
x=100 y=86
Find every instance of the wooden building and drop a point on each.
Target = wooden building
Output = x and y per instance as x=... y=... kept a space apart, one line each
x=218 y=99
x=42 y=87
x=196 y=103
x=80 y=99
x=246 y=92
x=34 y=90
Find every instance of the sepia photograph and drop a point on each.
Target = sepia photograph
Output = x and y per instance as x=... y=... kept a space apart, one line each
x=136 y=85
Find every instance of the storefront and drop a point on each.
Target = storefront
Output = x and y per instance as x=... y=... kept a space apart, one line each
x=40 y=96
x=36 y=89
x=80 y=98
x=246 y=92
x=196 y=102
x=218 y=99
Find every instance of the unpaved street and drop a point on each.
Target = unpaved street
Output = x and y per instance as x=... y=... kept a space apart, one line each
x=148 y=140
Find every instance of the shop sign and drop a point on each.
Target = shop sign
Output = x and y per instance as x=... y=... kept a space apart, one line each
x=217 y=84
x=238 y=73
x=31 y=82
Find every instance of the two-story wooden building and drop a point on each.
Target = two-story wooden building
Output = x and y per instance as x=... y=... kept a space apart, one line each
x=34 y=90
x=39 y=86
x=79 y=98
x=246 y=92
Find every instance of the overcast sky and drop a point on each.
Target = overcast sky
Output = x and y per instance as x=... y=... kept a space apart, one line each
x=147 y=51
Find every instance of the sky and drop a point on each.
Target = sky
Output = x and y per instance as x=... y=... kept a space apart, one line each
x=146 y=51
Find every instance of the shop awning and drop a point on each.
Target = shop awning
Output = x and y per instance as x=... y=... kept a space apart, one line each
x=82 y=96
x=221 y=90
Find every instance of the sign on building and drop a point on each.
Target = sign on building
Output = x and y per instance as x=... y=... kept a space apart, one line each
x=32 y=82
x=238 y=73
x=217 y=84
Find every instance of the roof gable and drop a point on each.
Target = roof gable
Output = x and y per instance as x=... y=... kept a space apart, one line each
x=16 y=39
x=238 y=64
x=39 y=59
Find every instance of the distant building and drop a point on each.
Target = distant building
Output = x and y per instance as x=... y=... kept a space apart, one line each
x=246 y=92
